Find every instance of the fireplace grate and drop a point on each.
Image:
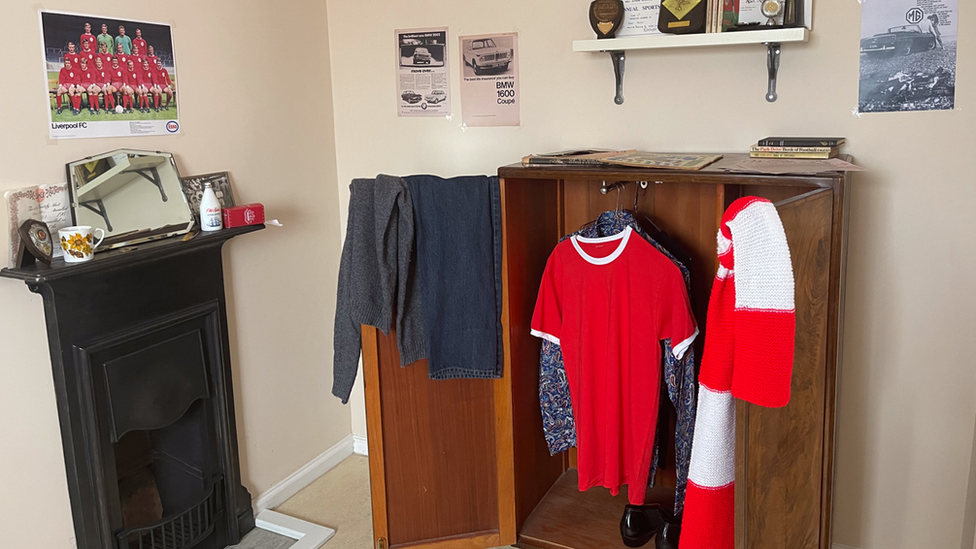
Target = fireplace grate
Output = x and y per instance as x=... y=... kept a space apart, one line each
x=181 y=531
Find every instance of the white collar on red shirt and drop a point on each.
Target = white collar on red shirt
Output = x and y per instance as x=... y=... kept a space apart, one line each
x=623 y=237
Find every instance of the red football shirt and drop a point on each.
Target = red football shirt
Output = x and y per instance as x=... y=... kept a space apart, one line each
x=90 y=38
x=146 y=77
x=69 y=77
x=162 y=78
x=117 y=75
x=608 y=302
x=87 y=76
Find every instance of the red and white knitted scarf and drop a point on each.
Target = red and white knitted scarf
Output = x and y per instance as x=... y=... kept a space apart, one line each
x=748 y=355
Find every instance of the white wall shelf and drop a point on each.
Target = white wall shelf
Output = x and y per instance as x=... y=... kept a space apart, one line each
x=771 y=38
x=656 y=41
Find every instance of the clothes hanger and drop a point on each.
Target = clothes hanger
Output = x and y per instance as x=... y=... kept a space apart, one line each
x=639 y=214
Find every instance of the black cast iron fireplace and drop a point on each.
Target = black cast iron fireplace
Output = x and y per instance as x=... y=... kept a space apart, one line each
x=143 y=380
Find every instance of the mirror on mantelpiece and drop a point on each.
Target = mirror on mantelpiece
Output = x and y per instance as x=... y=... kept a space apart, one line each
x=134 y=196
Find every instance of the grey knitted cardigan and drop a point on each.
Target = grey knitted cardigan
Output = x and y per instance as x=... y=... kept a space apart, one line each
x=378 y=265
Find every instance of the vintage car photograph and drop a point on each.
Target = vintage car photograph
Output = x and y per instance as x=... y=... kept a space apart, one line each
x=906 y=67
x=422 y=49
x=435 y=97
x=901 y=40
x=483 y=54
x=410 y=97
x=421 y=56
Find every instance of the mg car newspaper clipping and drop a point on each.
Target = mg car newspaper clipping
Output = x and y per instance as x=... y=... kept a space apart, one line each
x=908 y=55
x=423 y=74
x=489 y=80
x=107 y=77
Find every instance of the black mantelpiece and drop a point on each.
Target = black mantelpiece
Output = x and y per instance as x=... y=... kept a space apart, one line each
x=141 y=361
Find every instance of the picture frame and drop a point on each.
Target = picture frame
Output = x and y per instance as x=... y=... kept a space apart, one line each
x=194 y=185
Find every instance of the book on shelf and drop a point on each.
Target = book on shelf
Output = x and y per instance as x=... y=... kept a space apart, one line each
x=729 y=14
x=760 y=148
x=573 y=157
x=762 y=154
x=801 y=142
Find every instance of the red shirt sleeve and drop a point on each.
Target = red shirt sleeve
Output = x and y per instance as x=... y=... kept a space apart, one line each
x=675 y=317
x=547 y=319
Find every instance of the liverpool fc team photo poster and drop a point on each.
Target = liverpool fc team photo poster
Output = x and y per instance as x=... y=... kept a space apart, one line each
x=108 y=77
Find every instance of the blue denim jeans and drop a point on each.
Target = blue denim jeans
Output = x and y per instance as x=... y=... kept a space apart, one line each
x=459 y=257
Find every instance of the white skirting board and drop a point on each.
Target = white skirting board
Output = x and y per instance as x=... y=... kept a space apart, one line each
x=279 y=493
x=306 y=534
x=360 y=446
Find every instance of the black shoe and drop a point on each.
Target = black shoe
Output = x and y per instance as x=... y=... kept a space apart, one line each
x=669 y=536
x=639 y=524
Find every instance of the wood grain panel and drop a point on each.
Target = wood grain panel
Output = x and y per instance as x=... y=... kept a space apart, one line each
x=476 y=540
x=774 y=193
x=835 y=342
x=711 y=175
x=438 y=449
x=531 y=232
x=570 y=519
x=374 y=432
x=785 y=445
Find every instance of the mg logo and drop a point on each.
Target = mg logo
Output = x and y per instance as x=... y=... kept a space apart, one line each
x=914 y=15
x=172 y=126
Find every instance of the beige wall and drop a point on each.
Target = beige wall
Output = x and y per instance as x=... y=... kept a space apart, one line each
x=279 y=149
x=907 y=400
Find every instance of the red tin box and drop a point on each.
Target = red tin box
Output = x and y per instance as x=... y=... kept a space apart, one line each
x=248 y=214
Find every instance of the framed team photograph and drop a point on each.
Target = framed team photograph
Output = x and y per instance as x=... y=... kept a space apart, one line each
x=108 y=77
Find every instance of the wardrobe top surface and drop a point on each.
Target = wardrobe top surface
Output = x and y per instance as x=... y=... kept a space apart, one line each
x=712 y=173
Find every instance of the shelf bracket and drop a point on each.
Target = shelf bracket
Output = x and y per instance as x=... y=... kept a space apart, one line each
x=618 y=57
x=772 y=67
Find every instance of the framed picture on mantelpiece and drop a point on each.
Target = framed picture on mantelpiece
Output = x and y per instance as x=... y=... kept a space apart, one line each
x=193 y=189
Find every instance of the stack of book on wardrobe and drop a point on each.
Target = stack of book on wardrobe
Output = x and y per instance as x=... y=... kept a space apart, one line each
x=797 y=147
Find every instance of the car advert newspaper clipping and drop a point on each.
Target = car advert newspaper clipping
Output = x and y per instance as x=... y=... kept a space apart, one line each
x=423 y=73
x=908 y=55
x=108 y=77
x=489 y=80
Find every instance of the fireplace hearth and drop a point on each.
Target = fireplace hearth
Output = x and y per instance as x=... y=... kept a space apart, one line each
x=141 y=361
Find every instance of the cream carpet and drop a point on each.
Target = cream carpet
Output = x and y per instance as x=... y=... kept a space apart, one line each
x=338 y=499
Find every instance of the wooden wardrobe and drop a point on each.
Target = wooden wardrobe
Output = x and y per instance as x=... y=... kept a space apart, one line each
x=463 y=464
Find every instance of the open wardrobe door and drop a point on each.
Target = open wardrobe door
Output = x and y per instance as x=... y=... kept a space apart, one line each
x=780 y=475
x=437 y=471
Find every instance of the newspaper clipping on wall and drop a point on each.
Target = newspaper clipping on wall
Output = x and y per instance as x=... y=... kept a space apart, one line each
x=490 y=80
x=108 y=77
x=640 y=18
x=908 y=55
x=423 y=72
